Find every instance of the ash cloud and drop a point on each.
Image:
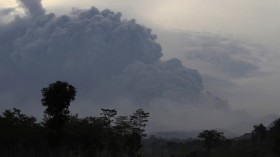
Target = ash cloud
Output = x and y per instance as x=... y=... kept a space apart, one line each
x=6 y=11
x=164 y=79
x=108 y=59
x=232 y=58
x=212 y=54
x=32 y=7
x=221 y=60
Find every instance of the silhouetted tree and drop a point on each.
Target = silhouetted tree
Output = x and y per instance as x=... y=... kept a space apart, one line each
x=122 y=131
x=109 y=138
x=211 y=138
x=259 y=133
x=138 y=122
x=57 y=97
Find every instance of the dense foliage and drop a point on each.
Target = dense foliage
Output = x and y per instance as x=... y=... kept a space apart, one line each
x=106 y=135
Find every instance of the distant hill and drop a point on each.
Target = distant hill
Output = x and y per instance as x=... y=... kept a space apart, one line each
x=245 y=136
x=248 y=126
x=187 y=134
x=176 y=134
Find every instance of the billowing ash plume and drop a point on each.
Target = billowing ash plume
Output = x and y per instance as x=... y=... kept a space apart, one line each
x=95 y=47
x=96 y=43
x=162 y=79
x=32 y=7
x=108 y=59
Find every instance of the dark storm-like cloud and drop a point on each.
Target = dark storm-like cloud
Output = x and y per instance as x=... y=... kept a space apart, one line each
x=96 y=50
x=110 y=61
x=97 y=42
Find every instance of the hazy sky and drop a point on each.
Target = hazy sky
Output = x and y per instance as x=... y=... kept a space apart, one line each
x=250 y=18
x=234 y=44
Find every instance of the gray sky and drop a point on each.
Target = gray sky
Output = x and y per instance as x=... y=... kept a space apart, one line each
x=233 y=44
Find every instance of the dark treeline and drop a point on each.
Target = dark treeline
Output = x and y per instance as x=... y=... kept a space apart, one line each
x=261 y=142
x=61 y=134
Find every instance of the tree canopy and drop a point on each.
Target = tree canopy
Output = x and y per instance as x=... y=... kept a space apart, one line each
x=211 y=138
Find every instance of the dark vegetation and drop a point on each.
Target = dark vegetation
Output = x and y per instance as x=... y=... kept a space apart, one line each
x=261 y=142
x=62 y=134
